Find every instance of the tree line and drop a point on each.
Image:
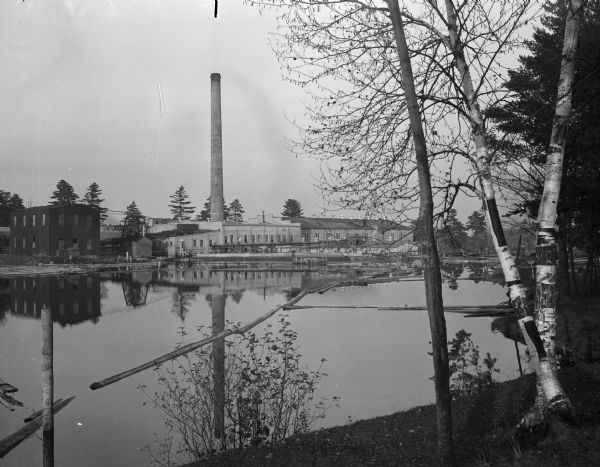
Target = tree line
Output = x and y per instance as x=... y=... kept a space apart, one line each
x=180 y=206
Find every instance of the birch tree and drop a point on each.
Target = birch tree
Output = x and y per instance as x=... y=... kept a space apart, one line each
x=546 y=251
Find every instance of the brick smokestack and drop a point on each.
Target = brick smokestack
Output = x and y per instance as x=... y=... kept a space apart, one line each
x=216 y=150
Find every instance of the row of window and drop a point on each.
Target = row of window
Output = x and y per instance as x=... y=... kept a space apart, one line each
x=61 y=243
x=89 y=284
x=61 y=220
x=230 y=276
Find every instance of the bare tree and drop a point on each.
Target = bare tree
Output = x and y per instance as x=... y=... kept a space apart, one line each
x=429 y=253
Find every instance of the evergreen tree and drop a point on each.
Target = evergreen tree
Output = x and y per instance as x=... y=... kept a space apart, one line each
x=92 y=197
x=134 y=222
x=452 y=235
x=180 y=206
x=530 y=114
x=292 y=208
x=476 y=224
x=8 y=203
x=64 y=194
x=236 y=211
x=205 y=212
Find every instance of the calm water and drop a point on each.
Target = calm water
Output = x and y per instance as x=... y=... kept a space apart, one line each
x=377 y=361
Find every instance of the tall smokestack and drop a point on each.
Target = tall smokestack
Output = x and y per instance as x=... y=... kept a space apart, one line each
x=216 y=150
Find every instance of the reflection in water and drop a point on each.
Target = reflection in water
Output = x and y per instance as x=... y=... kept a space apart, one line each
x=248 y=391
x=450 y=274
x=72 y=299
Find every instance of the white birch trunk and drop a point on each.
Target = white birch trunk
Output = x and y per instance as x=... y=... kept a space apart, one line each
x=546 y=250
x=546 y=376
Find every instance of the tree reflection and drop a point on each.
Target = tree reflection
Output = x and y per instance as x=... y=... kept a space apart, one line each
x=181 y=301
x=451 y=272
x=266 y=393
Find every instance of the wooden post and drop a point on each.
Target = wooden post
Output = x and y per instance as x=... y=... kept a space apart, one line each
x=47 y=388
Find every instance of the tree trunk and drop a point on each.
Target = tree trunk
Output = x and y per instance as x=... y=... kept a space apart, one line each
x=431 y=262
x=546 y=291
x=572 y=268
x=544 y=371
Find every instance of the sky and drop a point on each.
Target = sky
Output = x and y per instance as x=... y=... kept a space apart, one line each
x=118 y=93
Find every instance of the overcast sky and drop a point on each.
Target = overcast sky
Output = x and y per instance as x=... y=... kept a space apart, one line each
x=79 y=93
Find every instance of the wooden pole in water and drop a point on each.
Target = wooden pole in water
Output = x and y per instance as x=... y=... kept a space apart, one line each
x=47 y=388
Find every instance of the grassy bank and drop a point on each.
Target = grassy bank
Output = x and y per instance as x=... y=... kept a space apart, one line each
x=483 y=423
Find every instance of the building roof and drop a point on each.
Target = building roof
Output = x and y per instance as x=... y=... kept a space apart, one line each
x=56 y=206
x=348 y=224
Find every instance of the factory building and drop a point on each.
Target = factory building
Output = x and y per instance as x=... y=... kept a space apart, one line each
x=59 y=231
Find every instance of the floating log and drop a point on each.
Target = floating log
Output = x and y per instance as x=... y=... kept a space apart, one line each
x=39 y=412
x=472 y=310
x=12 y=441
x=7 y=388
x=241 y=330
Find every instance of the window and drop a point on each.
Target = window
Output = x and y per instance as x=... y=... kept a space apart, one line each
x=33 y=220
x=210 y=243
x=316 y=235
x=245 y=238
x=284 y=238
x=61 y=244
x=15 y=221
x=272 y=238
x=32 y=243
x=24 y=220
x=278 y=238
x=24 y=242
x=337 y=235
x=194 y=242
x=61 y=219
x=14 y=242
x=43 y=219
x=201 y=242
x=253 y=238
x=226 y=241
x=89 y=244
x=231 y=239
x=258 y=238
x=75 y=219
x=75 y=243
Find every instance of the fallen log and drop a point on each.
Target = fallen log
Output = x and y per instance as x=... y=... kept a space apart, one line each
x=472 y=310
x=12 y=441
x=228 y=332
x=39 y=412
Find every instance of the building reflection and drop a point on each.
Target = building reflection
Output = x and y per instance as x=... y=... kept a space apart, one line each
x=72 y=299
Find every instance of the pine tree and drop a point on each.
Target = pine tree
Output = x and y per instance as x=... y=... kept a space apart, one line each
x=205 y=212
x=92 y=197
x=292 y=208
x=134 y=222
x=236 y=211
x=8 y=203
x=64 y=194
x=180 y=206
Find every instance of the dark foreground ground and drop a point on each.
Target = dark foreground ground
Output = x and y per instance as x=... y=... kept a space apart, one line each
x=483 y=423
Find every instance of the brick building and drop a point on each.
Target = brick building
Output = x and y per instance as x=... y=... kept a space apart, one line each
x=57 y=231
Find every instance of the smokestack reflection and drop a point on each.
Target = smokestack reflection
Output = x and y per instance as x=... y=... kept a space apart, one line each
x=218 y=356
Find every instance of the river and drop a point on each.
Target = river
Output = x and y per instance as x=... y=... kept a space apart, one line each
x=376 y=362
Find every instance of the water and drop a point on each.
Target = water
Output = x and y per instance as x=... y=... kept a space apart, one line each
x=377 y=361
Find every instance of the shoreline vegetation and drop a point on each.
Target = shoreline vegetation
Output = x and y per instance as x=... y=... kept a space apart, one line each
x=484 y=423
